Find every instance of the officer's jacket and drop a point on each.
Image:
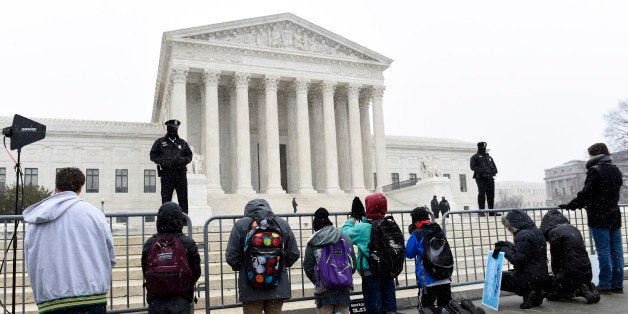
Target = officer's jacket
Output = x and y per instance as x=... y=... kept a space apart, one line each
x=171 y=155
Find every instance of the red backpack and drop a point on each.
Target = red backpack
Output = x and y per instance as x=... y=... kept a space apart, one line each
x=167 y=269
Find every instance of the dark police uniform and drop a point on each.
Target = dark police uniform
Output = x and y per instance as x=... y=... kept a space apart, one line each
x=171 y=157
x=484 y=170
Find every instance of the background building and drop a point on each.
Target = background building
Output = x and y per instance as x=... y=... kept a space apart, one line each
x=565 y=181
x=517 y=194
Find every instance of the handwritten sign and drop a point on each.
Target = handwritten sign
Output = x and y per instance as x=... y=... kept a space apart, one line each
x=493 y=280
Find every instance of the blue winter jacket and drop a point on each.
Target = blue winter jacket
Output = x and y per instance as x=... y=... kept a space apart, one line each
x=414 y=249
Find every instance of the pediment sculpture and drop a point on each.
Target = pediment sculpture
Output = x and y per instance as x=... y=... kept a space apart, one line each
x=282 y=35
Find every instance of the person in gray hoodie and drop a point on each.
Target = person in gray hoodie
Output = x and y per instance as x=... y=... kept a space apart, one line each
x=68 y=249
x=327 y=300
x=258 y=300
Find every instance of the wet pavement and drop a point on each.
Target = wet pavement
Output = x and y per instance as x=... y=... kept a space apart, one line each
x=614 y=303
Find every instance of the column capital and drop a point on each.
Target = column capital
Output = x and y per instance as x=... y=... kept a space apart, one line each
x=179 y=74
x=210 y=77
x=353 y=90
x=328 y=87
x=378 y=91
x=363 y=98
x=301 y=84
x=242 y=79
x=271 y=82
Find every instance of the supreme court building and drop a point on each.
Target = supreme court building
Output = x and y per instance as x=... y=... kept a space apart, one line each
x=273 y=105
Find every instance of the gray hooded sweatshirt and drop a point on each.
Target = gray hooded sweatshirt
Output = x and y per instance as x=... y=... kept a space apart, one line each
x=259 y=209
x=69 y=252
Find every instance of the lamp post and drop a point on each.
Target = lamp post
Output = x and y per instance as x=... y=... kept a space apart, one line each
x=102 y=205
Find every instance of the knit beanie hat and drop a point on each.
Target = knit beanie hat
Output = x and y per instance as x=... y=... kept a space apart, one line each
x=376 y=206
x=420 y=214
x=357 y=205
x=321 y=219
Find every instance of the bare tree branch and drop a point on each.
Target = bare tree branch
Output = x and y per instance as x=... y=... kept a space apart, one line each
x=617 y=129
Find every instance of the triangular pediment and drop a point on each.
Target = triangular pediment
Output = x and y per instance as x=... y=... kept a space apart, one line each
x=285 y=32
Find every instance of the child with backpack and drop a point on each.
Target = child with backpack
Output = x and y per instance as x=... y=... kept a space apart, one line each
x=433 y=259
x=329 y=263
x=170 y=263
x=380 y=253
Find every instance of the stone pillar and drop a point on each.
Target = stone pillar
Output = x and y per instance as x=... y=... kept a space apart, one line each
x=272 y=135
x=292 y=148
x=342 y=140
x=303 y=136
x=243 y=136
x=178 y=103
x=317 y=144
x=381 y=165
x=261 y=139
x=367 y=148
x=355 y=138
x=329 y=131
x=233 y=149
x=212 y=133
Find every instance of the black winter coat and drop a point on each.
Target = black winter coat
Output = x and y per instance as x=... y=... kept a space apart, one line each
x=528 y=254
x=600 y=193
x=570 y=259
x=483 y=166
x=169 y=221
x=171 y=156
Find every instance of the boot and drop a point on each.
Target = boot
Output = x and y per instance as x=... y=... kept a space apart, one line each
x=538 y=298
x=528 y=300
x=588 y=292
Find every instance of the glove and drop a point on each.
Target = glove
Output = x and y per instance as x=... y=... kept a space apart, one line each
x=567 y=206
x=166 y=164
x=411 y=228
x=357 y=213
x=496 y=252
x=501 y=243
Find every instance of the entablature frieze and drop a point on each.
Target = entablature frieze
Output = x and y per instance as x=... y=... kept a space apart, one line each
x=240 y=57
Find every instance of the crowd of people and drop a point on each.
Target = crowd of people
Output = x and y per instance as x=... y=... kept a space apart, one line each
x=262 y=248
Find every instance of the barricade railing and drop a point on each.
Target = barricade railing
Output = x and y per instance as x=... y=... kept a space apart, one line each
x=224 y=290
x=125 y=228
x=472 y=236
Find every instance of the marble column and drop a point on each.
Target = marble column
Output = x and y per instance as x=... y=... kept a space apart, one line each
x=272 y=135
x=178 y=103
x=381 y=165
x=355 y=139
x=261 y=139
x=292 y=147
x=342 y=140
x=243 y=136
x=303 y=136
x=212 y=131
x=317 y=143
x=329 y=131
x=233 y=148
x=367 y=148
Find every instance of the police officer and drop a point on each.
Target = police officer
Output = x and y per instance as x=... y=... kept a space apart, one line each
x=484 y=170
x=171 y=154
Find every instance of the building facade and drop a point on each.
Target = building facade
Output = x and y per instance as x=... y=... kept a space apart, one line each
x=510 y=194
x=275 y=104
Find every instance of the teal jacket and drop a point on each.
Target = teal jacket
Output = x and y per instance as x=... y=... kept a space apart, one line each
x=360 y=235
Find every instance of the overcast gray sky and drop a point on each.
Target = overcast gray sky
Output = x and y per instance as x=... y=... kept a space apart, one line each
x=531 y=78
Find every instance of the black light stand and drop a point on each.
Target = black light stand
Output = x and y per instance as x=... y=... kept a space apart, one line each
x=23 y=132
x=18 y=170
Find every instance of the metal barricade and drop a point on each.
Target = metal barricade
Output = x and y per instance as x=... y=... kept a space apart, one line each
x=472 y=237
x=126 y=288
x=221 y=282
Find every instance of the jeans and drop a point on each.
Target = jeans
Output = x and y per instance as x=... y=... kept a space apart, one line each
x=88 y=309
x=169 y=305
x=379 y=294
x=610 y=256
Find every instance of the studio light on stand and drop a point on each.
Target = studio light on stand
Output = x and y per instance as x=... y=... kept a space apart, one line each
x=23 y=132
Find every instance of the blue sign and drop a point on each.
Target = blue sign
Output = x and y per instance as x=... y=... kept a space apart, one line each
x=493 y=280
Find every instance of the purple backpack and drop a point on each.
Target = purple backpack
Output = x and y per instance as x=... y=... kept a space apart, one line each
x=334 y=269
x=167 y=271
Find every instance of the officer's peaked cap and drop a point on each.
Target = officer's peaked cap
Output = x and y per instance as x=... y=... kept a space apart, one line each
x=173 y=123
